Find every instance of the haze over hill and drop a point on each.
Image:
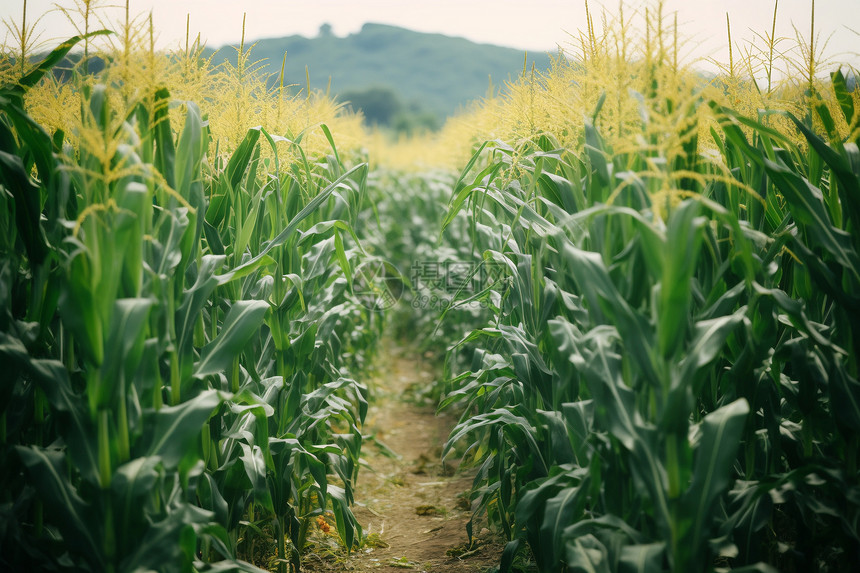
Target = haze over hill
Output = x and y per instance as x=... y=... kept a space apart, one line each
x=429 y=74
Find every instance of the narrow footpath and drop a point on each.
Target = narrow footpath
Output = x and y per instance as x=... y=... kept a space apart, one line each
x=412 y=507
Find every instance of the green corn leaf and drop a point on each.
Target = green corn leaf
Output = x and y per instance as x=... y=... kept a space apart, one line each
x=587 y=554
x=843 y=95
x=485 y=177
x=736 y=135
x=213 y=239
x=845 y=398
x=14 y=355
x=244 y=402
x=559 y=436
x=33 y=77
x=347 y=526
x=330 y=139
x=579 y=419
x=134 y=200
x=760 y=567
x=53 y=378
x=615 y=400
x=194 y=300
x=533 y=500
x=176 y=428
x=242 y=321
x=132 y=485
x=241 y=158
x=561 y=192
x=36 y=142
x=647 y=558
x=47 y=470
x=165 y=152
x=471 y=163
x=27 y=202
x=708 y=342
x=342 y=260
x=796 y=311
x=323 y=228
x=615 y=410
x=255 y=469
x=219 y=203
x=229 y=565
x=133 y=481
x=123 y=351
x=190 y=151
x=509 y=554
x=273 y=139
x=597 y=157
x=564 y=508
x=840 y=163
x=685 y=237
x=190 y=243
x=825 y=278
x=165 y=542
x=293 y=225
x=826 y=118
x=210 y=498
x=808 y=209
x=170 y=230
x=591 y=275
x=245 y=269
x=608 y=522
x=727 y=300
x=247 y=228
x=716 y=450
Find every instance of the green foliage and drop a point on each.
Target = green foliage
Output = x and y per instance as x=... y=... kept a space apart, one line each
x=667 y=382
x=381 y=107
x=178 y=333
x=378 y=105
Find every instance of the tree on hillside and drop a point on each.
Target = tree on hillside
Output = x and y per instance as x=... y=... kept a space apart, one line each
x=378 y=104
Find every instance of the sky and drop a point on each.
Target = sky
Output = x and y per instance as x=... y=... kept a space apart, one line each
x=529 y=25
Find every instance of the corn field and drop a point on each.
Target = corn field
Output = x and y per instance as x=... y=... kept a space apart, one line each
x=653 y=356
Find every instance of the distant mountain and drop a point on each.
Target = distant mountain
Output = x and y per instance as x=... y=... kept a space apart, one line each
x=429 y=73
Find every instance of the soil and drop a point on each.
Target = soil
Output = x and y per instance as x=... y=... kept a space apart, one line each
x=411 y=505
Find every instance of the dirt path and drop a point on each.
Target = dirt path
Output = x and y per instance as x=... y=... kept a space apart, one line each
x=410 y=505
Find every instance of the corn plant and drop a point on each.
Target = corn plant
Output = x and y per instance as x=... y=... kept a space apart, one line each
x=432 y=272
x=810 y=212
x=168 y=393
x=652 y=390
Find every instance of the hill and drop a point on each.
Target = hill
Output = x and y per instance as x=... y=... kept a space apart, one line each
x=429 y=73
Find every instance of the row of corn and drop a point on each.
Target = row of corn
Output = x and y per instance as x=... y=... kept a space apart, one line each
x=668 y=375
x=178 y=334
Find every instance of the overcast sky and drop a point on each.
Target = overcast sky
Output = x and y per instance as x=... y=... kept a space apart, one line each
x=534 y=25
